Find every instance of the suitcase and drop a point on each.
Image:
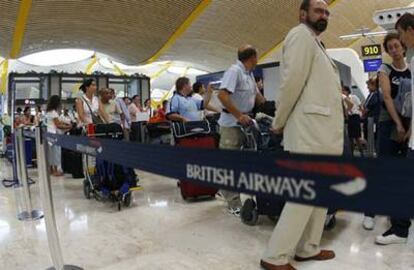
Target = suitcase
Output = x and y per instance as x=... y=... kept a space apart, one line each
x=71 y=160
x=159 y=133
x=72 y=163
x=188 y=189
x=252 y=209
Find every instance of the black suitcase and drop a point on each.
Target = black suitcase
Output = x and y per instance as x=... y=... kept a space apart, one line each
x=71 y=160
x=252 y=209
x=72 y=163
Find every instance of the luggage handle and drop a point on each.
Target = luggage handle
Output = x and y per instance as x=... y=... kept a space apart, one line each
x=194 y=131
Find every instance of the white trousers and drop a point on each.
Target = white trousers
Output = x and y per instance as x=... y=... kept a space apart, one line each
x=298 y=232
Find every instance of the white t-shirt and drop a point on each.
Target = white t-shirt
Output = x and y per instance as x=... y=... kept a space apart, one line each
x=94 y=106
x=357 y=103
x=50 y=123
x=411 y=143
x=113 y=111
x=199 y=97
x=137 y=115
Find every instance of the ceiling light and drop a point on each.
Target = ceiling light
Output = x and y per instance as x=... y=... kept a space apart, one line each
x=177 y=70
x=56 y=57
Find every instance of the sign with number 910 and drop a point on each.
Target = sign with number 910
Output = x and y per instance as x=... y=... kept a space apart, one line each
x=371 y=50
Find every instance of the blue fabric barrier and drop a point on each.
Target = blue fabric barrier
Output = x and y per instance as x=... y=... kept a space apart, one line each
x=380 y=186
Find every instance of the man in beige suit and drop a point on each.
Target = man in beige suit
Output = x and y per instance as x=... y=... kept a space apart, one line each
x=310 y=115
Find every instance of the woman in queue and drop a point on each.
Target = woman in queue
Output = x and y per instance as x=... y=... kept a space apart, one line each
x=55 y=125
x=393 y=128
x=88 y=106
x=139 y=118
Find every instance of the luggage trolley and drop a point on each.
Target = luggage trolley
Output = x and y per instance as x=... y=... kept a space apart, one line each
x=159 y=133
x=106 y=181
x=258 y=138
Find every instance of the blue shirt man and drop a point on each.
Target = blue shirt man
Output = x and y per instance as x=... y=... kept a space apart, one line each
x=240 y=83
x=186 y=106
x=183 y=107
x=238 y=95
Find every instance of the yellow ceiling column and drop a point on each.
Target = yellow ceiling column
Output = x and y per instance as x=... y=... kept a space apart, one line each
x=19 y=30
x=183 y=27
x=3 y=77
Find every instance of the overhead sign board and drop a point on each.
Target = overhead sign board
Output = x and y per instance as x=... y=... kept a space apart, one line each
x=371 y=50
x=372 y=65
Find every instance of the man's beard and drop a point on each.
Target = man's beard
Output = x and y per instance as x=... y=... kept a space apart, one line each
x=320 y=25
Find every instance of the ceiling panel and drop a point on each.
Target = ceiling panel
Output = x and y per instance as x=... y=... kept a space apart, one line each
x=8 y=15
x=133 y=31
x=130 y=31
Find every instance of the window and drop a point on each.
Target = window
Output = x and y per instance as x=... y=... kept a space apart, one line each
x=32 y=88
x=119 y=85
x=70 y=87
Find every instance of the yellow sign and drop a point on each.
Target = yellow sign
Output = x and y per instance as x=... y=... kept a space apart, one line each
x=371 y=50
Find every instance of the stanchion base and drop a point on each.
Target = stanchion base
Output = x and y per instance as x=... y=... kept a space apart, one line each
x=35 y=215
x=67 y=267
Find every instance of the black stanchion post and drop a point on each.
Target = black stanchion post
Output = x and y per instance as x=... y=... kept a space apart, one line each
x=28 y=212
x=47 y=201
x=371 y=137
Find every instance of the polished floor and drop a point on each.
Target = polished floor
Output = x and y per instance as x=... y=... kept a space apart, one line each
x=161 y=231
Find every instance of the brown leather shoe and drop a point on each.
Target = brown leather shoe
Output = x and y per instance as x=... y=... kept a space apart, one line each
x=324 y=255
x=268 y=266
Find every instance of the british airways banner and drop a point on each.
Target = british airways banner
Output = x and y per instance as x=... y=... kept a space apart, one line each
x=380 y=186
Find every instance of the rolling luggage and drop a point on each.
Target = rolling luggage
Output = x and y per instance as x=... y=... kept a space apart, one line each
x=72 y=163
x=71 y=160
x=159 y=133
x=195 y=135
x=253 y=208
x=260 y=139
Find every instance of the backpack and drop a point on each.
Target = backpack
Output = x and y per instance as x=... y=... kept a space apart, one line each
x=403 y=102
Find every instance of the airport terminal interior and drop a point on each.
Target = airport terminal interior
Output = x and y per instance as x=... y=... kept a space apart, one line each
x=206 y=134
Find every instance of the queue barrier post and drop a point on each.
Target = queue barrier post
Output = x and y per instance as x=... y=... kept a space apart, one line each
x=371 y=137
x=47 y=202
x=28 y=212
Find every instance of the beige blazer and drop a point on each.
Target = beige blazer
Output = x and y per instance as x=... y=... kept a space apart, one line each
x=309 y=108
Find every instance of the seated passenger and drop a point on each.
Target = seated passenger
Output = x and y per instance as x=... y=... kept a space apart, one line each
x=183 y=107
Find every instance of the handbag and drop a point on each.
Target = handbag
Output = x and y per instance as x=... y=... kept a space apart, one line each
x=186 y=129
x=95 y=118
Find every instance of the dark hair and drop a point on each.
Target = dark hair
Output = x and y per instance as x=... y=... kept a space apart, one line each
x=389 y=37
x=86 y=83
x=133 y=97
x=246 y=54
x=346 y=89
x=53 y=103
x=19 y=110
x=181 y=82
x=197 y=87
x=164 y=102
x=405 y=21
x=306 y=5
x=148 y=99
x=257 y=79
x=26 y=109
